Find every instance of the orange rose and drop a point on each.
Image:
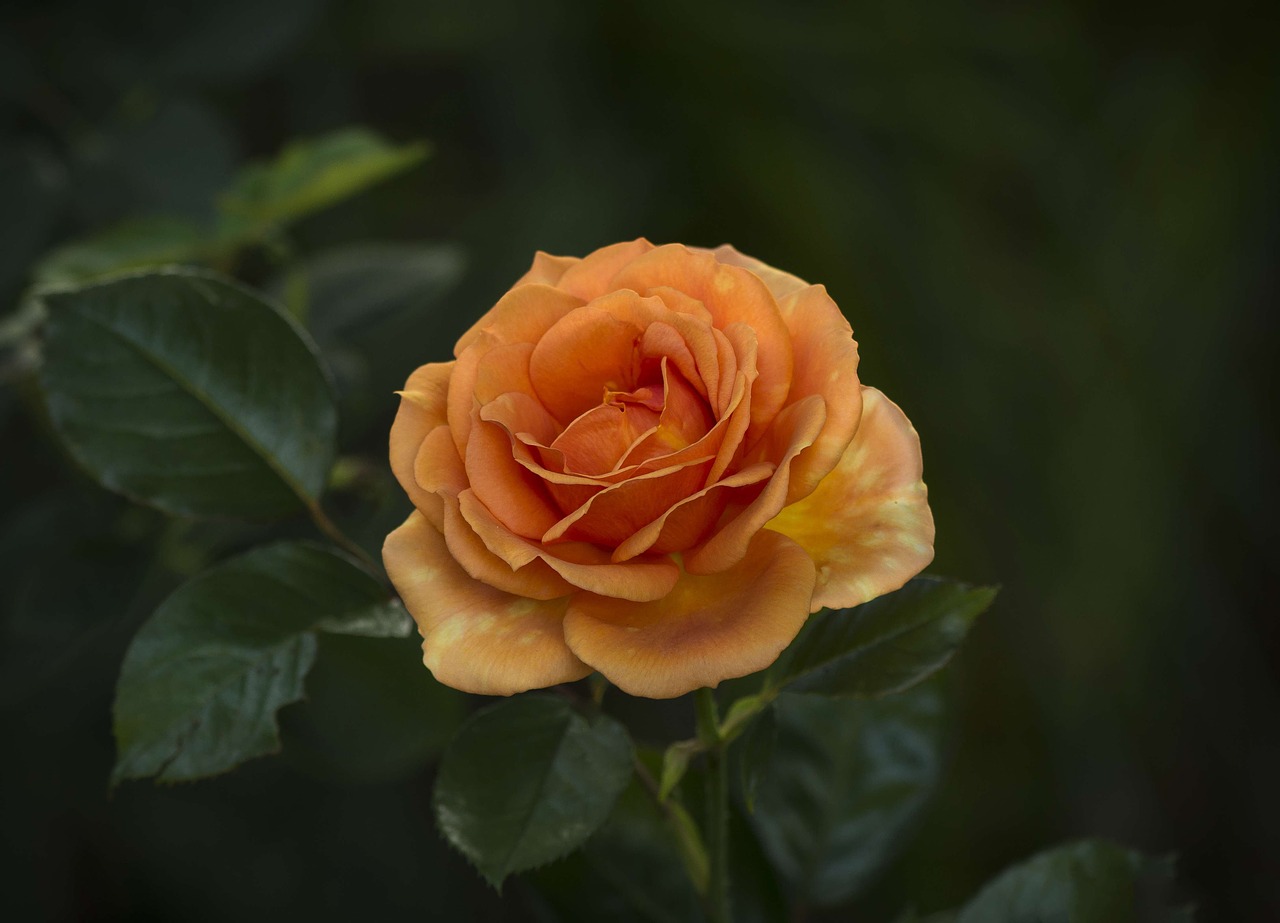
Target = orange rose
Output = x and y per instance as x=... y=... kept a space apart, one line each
x=653 y=462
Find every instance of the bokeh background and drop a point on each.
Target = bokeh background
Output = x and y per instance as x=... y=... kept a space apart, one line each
x=1053 y=226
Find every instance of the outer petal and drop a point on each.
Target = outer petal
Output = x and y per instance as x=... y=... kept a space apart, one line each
x=476 y=638
x=422 y=409
x=522 y=315
x=868 y=525
x=780 y=283
x=592 y=275
x=827 y=365
x=547 y=269
x=705 y=630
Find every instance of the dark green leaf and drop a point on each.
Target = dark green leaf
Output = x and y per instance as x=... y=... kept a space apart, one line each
x=308 y=176
x=846 y=782
x=203 y=679
x=527 y=781
x=1091 y=881
x=137 y=244
x=386 y=618
x=883 y=646
x=186 y=391
x=754 y=752
x=629 y=871
x=372 y=713
x=350 y=286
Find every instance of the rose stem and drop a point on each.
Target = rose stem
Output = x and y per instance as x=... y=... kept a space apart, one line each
x=717 y=817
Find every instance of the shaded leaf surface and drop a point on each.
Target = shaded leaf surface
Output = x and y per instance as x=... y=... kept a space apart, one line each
x=142 y=242
x=186 y=391
x=846 y=782
x=885 y=645
x=372 y=712
x=310 y=175
x=1091 y=881
x=203 y=679
x=527 y=781
x=348 y=287
x=629 y=871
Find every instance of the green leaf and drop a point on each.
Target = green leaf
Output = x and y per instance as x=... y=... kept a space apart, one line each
x=384 y=619
x=203 y=679
x=755 y=752
x=311 y=175
x=629 y=871
x=1090 y=881
x=883 y=646
x=527 y=781
x=372 y=713
x=140 y=243
x=349 y=287
x=185 y=391
x=846 y=782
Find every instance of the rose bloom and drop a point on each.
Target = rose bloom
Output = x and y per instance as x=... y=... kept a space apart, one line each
x=651 y=462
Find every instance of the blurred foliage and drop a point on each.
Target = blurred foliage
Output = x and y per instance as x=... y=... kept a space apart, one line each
x=1053 y=228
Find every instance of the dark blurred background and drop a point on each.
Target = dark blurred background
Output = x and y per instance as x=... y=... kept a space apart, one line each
x=1053 y=226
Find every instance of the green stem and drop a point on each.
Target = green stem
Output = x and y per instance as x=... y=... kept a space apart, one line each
x=717 y=807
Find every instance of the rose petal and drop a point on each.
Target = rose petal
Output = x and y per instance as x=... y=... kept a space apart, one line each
x=687 y=522
x=476 y=638
x=684 y=420
x=504 y=369
x=438 y=471
x=615 y=513
x=536 y=579
x=522 y=315
x=682 y=303
x=867 y=525
x=462 y=403
x=665 y=341
x=520 y=414
x=687 y=340
x=707 y=629
x=547 y=269
x=583 y=565
x=793 y=431
x=780 y=283
x=422 y=409
x=732 y=295
x=743 y=344
x=586 y=353
x=591 y=277
x=596 y=441
x=515 y=495
x=827 y=365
